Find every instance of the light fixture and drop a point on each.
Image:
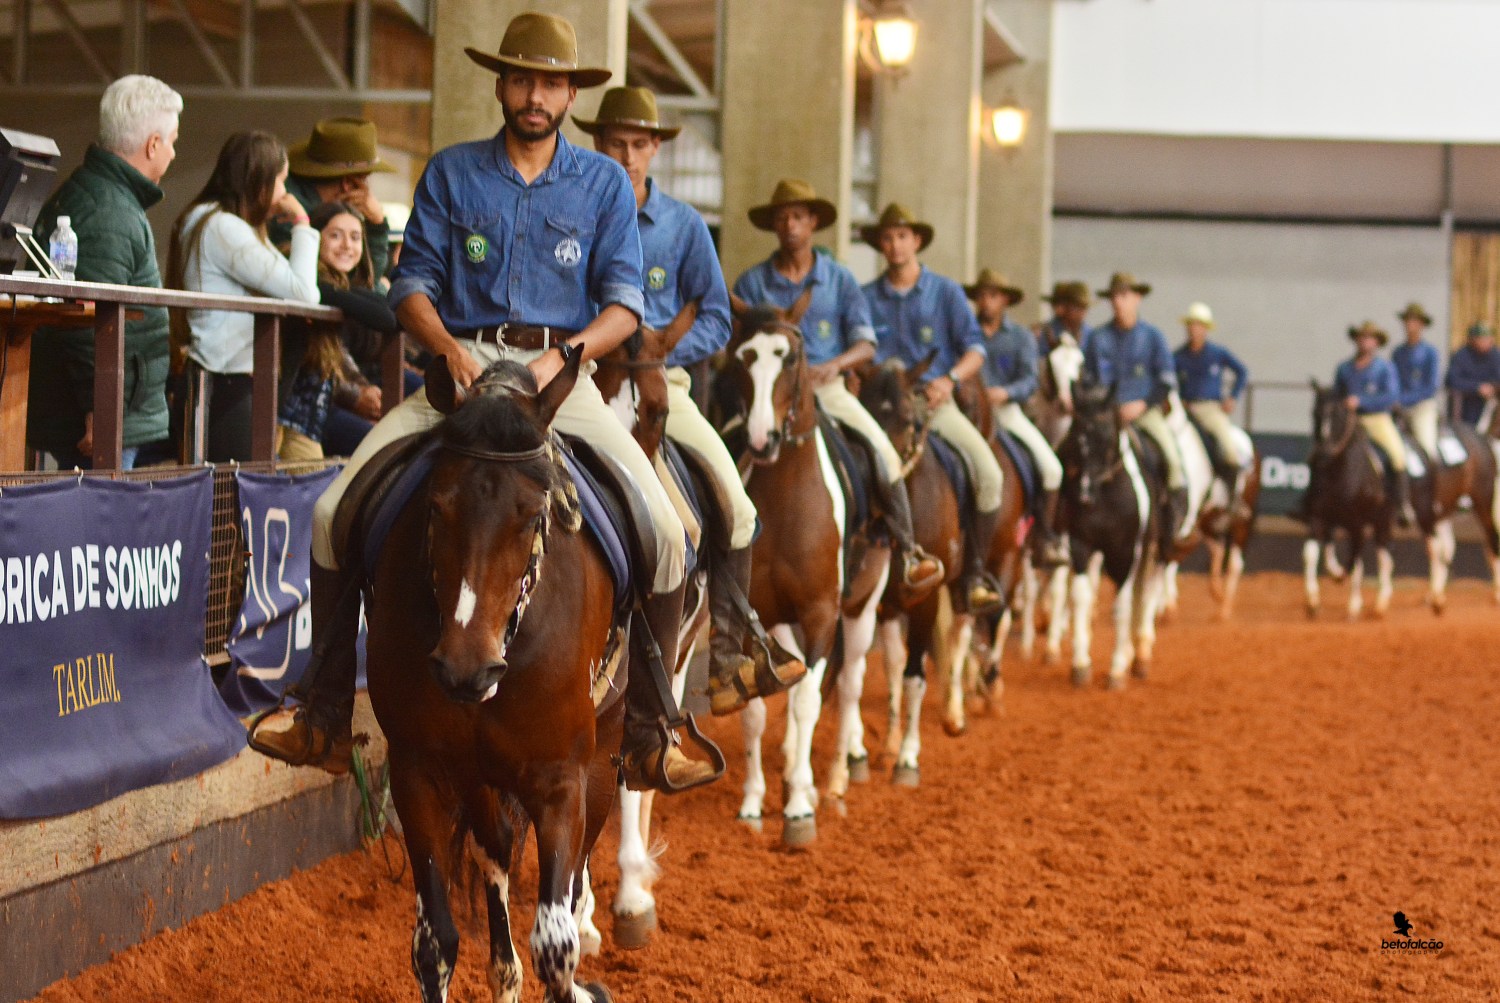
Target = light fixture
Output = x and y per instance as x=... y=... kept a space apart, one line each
x=1008 y=124
x=888 y=36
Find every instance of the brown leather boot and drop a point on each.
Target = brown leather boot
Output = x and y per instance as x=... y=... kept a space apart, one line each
x=734 y=678
x=920 y=571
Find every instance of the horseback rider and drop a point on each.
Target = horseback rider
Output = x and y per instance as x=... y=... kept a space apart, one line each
x=1010 y=379
x=837 y=336
x=1474 y=374
x=475 y=293
x=1417 y=364
x=681 y=265
x=1369 y=386
x=1132 y=356
x=1070 y=302
x=1201 y=367
x=918 y=313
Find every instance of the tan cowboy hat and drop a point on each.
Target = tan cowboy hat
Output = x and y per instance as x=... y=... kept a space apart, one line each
x=1071 y=294
x=791 y=191
x=991 y=279
x=630 y=106
x=1368 y=327
x=1480 y=330
x=337 y=148
x=1120 y=281
x=1414 y=309
x=541 y=42
x=1199 y=313
x=896 y=214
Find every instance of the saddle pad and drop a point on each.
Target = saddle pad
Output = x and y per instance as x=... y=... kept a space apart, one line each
x=1025 y=465
x=1450 y=449
x=1210 y=443
x=856 y=495
x=605 y=522
x=953 y=465
x=391 y=505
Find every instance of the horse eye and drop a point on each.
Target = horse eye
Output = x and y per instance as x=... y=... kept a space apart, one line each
x=781 y=353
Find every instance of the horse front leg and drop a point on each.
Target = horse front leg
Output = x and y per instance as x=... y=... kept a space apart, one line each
x=558 y=810
x=907 y=771
x=1312 y=549
x=1234 y=572
x=1082 y=612
x=1356 y=573
x=1441 y=547
x=1148 y=587
x=893 y=654
x=1169 y=595
x=1385 y=566
x=951 y=636
x=753 y=723
x=851 y=761
x=1124 y=653
x=799 y=825
x=1057 y=621
x=427 y=825
x=1216 y=548
x=1030 y=586
x=634 y=906
x=505 y=967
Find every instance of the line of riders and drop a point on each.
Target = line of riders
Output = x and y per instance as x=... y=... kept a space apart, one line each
x=529 y=248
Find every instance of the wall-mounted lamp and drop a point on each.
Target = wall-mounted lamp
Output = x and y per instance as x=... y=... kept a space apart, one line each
x=1008 y=124
x=888 y=37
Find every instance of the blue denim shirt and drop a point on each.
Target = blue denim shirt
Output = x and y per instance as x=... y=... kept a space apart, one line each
x=1468 y=370
x=1200 y=375
x=931 y=316
x=838 y=315
x=1375 y=385
x=1010 y=360
x=1137 y=363
x=1417 y=370
x=680 y=265
x=488 y=248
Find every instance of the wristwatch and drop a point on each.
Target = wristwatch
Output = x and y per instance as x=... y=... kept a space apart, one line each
x=568 y=349
x=953 y=378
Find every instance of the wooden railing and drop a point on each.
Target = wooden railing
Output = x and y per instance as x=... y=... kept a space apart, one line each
x=111 y=303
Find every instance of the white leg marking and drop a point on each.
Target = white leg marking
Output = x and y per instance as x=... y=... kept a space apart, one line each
x=788 y=640
x=463 y=612
x=638 y=870
x=589 y=938
x=893 y=645
x=1332 y=562
x=1384 y=565
x=958 y=664
x=1029 y=589
x=554 y=950
x=1169 y=601
x=1057 y=625
x=915 y=688
x=753 y=721
x=1232 y=579
x=806 y=704
x=1083 y=619
x=1310 y=551
x=505 y=967
x=1119 y=664
x=859 y=635
x=1356 y=581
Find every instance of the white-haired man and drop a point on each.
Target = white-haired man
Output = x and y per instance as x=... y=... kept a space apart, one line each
x=106 y=200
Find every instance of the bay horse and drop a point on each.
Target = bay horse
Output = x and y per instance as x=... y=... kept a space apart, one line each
x=1436 y=497
x=1111 y=503
x=489 y=615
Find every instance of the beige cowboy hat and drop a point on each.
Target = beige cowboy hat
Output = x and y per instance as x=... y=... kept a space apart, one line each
x=896 y=214
x=1480 y=330
x=629 y=106
x=541 y=42
x=1070 y=294
x=1121 y=281
x=791 y=191
x=1414 y=309
x=991 y=279
x=337 y=148
x=1199 y=313
x=1368 y=327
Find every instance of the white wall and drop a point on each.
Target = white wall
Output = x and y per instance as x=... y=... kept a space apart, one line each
x=1400 y=70
x=1283 y=294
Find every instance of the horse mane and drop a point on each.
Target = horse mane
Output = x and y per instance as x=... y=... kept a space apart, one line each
x=760 y=318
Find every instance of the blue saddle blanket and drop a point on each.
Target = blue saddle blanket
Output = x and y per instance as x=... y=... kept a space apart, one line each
x=953 y=465
x=1025 y=464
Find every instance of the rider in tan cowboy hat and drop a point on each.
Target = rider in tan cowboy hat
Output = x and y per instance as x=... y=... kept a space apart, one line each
x=1371 y=388
x=334 y=164
x=791 y=191
x=1070 y=302
x=1418 y=370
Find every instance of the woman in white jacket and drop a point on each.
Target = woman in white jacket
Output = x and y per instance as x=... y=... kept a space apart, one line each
x=219 y=247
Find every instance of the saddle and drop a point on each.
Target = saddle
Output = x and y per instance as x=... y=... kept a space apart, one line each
x=1216 y=458
x=956 y=468
x=853 y=475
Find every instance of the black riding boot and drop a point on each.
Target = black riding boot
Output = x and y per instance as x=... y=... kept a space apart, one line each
x=920 y=571
x=649 y=753
x=734 y=678
x=981 y=588
x=1405 y=514
x=1047 y=546
x=317 y=733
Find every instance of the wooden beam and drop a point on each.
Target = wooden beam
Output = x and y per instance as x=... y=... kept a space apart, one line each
x=109 y=385
x=263 y=390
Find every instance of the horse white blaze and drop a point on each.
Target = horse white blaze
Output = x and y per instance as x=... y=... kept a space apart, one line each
x=463 y=611
x=769 y=352
x=753 y=722
x=1310 y=553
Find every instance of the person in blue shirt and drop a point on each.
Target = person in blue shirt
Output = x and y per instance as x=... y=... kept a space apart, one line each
x=680 y=266
x=1010 y=379
x=836 y=337
x=1370 y=388
x=920 y=316
x=1474 y=374
x=1202 y=367
x=1131 y=356
x=1417 y=365
x=469 y=288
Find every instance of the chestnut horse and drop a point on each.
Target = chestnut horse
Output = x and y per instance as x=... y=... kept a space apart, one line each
x=490 y=615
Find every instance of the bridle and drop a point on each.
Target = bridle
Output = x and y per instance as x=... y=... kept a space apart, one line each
x=919 y=426
x=788 y=438
x=632 y=365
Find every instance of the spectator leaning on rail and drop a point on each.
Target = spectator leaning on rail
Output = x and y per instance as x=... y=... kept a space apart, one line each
x=1369 y=387
x=1474 y=376
x=219 y=247
x=1201 y=368
x=334 y=164
x=1417 y=366
x=106 y=199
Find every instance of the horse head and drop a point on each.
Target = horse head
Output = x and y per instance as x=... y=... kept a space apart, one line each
x=490 y=499
x=769 y=367
x=1093 y=442
x=1333 y=423
x=632 y=377
x=893 y=396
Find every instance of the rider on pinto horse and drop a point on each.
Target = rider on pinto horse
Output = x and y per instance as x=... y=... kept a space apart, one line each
x=1474 y=374
x=1370 y=388
x=1070 y=302
x=1201 y=369
x=680 y=265
x=469 y=289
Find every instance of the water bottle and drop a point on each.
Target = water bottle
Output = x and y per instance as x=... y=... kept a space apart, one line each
x=64 y=248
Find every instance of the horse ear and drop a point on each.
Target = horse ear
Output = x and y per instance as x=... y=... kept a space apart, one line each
x=737 y=306
x=920 y=369
x=681 y=324
x=794 y=315
x=443 y=392
x=553 y=394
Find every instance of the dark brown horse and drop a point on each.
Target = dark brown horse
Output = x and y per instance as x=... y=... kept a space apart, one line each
x=1436 y=497
x=490 y=616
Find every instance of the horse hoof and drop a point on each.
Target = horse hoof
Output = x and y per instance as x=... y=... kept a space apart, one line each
x=1312 y=612
x=954 y=728
x=1116 y=684
x=598 y=993
x=633 y=933
x=589 y=941
x=1140 y=668
x=906 y=776
x=839 y=805
x=1081 y=676
x=751 y=822
x=859 y=770
x=799 y=832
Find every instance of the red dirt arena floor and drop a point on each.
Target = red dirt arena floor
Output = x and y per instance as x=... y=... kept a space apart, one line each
x=1241 y=826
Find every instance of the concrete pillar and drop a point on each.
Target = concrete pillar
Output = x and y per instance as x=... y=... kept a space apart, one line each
x=927 y=131
x=463 y=93
x=1015 y=186
x=788 y=100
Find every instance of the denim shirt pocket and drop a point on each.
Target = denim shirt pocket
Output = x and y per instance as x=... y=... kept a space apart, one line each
x=478 y=247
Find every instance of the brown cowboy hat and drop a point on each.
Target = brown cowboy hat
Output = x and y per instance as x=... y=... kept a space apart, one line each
x=541 y=42
x=991 y=279
x=791 y=191
x=337 y=148
x=1070 y=294
x=1368 y=327
x=629 y=106
x=1414 y=309
x=1120 y=281
x=896 y=214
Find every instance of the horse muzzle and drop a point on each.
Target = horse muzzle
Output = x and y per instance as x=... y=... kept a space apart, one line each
x=472 y=680
x=769 y=451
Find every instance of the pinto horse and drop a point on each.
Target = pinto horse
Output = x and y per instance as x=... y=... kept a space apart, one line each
x=489 y=617
x=1060 y=370
x=1437 y=495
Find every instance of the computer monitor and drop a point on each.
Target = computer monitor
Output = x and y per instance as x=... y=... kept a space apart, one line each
x=28 y=173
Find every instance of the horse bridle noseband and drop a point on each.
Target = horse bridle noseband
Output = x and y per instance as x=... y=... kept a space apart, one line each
x=787 y=438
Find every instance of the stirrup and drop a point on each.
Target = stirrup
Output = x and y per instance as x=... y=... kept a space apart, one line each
x=984 y=594
x=330 y=749
x=658 y=777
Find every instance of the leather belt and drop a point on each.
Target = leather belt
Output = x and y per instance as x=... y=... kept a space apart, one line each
x=528 y=337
